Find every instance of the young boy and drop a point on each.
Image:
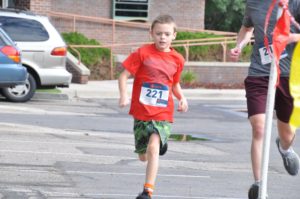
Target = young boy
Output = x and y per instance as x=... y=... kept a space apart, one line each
x=156 y=69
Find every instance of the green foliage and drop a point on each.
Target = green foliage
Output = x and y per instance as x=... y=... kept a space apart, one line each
x=199 y=53
x=224 y=15
x=194 y=35
x=184 y=137
x=188 y=77
x=189 y=36
x=50 y=90
x=89 y=56
x=207 y=52
x=246 y=52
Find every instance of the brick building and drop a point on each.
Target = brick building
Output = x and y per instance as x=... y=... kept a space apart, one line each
x=187 y=13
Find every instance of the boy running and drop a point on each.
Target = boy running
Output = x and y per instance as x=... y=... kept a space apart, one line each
x=156 y=69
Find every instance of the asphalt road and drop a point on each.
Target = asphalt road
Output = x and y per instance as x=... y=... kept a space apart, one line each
x=83 y=148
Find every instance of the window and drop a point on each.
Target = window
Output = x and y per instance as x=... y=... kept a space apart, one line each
x=7 y=3
x=2 y=43
x=3 y=3
x=11 y=3
x=130 y=9
x=23 y=29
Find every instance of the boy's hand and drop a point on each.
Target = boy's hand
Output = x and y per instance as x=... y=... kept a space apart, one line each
x=182 y=105
x=123 y=101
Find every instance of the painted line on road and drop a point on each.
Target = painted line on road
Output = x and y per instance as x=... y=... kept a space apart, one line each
x=36 y=129
x=38 y=111
x=83 y=143
x=116 y=195
x=67 y=154
x=136 y=174
x=3 y=169
x=132 y=196
x=195 y=197
x=162 y=196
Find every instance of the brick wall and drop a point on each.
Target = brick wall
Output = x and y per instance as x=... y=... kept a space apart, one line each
x=77 y=77
x=95 y=8
x=187 y=13
x=24 y=4
x=41 y=7
x=218 y=72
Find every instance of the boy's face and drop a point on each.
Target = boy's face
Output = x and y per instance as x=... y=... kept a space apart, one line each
x=162 y=35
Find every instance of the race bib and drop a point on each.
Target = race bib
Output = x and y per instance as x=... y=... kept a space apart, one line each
x=266 y=57
x=154 y=94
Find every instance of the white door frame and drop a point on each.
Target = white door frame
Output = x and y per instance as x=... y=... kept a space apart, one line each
x=4 y=3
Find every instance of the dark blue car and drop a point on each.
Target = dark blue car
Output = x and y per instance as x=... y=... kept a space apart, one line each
x=12 y=72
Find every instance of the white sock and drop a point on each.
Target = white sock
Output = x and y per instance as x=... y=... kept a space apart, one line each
x=289 y=150
x=257 y=182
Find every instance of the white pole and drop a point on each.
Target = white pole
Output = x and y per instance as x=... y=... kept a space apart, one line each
x=268 y=130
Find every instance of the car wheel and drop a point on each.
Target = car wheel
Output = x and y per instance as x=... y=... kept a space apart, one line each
x=21 y=93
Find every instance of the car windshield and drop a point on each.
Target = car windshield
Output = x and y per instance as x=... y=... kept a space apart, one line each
x=2 y=43
x=23 y=29
x=4 y=39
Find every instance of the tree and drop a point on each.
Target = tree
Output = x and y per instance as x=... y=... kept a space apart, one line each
x=224 y=15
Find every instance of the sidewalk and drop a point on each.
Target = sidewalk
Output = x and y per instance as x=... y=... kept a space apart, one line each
x=109 y=89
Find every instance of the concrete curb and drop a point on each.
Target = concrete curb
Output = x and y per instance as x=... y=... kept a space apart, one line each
x=50 y=96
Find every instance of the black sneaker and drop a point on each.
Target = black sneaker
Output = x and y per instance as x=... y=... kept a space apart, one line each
x=253 y=191
x=163 y=149
x=143 y=195
x=290 y=160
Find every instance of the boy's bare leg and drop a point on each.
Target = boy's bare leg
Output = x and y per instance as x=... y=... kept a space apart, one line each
x=143 y=157
x=153 y=158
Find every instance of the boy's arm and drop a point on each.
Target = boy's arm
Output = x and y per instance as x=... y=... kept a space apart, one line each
x=177 y=91
x=124 y=99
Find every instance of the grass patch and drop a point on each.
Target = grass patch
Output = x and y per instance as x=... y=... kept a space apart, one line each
x=184 y=137
x=188 y=77
x=47 y=90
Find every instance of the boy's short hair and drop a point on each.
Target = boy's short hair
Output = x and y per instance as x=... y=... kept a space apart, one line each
x=164 y=19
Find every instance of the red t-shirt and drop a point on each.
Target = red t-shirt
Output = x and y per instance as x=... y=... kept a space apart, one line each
x=155 y=73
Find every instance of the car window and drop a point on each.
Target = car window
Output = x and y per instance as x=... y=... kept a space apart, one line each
x=4 y=39
x=23 y=29
x=2 y=43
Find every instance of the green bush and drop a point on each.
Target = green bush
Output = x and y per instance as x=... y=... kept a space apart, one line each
x=198 y=53
x=246 y=53
x=188 y=77
x=207 y=52
x=224 y=15
x=89 y=56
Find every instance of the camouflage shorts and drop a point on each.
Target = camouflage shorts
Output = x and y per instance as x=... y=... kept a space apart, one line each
x=144 y=129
